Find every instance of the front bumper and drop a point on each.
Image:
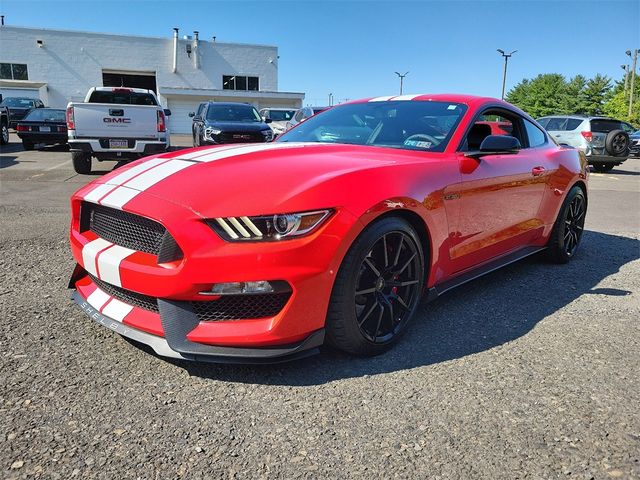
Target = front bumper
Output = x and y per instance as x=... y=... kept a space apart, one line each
x=177 y=323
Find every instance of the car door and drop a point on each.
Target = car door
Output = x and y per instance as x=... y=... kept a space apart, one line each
x=198 y=120
x=500 y=195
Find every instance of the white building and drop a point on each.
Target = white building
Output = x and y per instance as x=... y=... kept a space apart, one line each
x=59 y=66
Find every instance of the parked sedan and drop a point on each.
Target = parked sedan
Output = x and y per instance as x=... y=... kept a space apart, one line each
x=218 y=123
x=330 y=234
x=18 y=108
x=43 y=125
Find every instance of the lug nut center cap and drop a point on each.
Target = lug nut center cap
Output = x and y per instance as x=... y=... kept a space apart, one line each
x=380 y=284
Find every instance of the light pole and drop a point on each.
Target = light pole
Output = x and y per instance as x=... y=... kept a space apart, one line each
x=331 y=99
x=633 y=76
x=402 y=79
x=626 y=78
x=504 y=74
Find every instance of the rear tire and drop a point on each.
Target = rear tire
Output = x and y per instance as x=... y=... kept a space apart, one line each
x=567 y=231
x=81 y=162
x=377 y=289
x=27 y=145
x=603 y=167
x=617 y=143
x=4 y=134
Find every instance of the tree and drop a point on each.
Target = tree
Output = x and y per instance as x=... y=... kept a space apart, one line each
x=573 y=100
x=541 y=96
x=617 y=104
x=595 y=93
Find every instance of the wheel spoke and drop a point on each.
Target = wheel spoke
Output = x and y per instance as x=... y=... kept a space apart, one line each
x=366 y=315
x=366 y=291
x=375 y=333
x=406 y=264
x=391 y=315
x=372 y=266
x=403 y=284
x=386 y=254
x=397 y=259
x=402 y=302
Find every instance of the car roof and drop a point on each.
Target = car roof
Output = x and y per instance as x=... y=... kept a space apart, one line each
x=581 y=117
x=111 y=89
x=20 y=98
x=229 y=104
x=438 y=97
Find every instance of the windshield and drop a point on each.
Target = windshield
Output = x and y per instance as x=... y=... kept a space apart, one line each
x=122 y=97
x=17 y=102
x=281 y=115
x=46 y=115
x=233 y=113
x=411 y=125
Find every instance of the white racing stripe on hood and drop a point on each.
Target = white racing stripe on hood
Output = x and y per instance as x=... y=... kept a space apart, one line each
x=261 y=147
x=406 y=97
x=130 y=189
x=206 y=151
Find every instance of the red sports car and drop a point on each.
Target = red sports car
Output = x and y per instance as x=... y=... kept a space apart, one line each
x=262 y=253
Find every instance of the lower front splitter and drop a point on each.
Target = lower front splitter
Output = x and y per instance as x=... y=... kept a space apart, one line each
x=178 y=322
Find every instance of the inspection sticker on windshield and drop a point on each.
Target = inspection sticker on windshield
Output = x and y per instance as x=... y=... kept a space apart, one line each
x=452 y=107
x=418 y=143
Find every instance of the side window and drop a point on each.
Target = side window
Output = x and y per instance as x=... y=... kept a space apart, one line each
x=556 y=123
x=572 y=123
x=493 y=122
x=534 y=134
x=628 y=128
x=298 y=116
x=200 y=109
x=543 y=122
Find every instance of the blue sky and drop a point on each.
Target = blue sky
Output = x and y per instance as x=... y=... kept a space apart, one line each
x=352 y=48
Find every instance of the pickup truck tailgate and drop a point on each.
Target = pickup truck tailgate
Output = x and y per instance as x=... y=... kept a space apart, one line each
x=100 y=120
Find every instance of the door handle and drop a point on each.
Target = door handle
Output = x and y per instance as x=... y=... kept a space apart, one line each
x=537 y=171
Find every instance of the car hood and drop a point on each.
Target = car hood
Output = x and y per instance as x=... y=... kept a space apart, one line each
x=238 y=126
x=259 y=179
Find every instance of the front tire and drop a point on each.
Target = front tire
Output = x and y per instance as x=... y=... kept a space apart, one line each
x=567 y=231
x=81 y=162
x=4 y=134
x=377 y=289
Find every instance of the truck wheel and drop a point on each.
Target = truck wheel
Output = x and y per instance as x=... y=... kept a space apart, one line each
x=81 y=162
x=603 y=167
x=617 y=143
x=27 y=145
x=4 y=137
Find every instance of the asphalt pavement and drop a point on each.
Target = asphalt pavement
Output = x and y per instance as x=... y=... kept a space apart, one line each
x=530 y=372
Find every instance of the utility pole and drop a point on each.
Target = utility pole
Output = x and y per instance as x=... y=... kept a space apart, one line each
x=402 y=79
x=633 y=76
x=504 y=73
x=626 y=78
x=331 y=99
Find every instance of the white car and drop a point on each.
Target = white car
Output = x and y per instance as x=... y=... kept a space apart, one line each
x=279 y=118
x=302 y=114
x=116 y=124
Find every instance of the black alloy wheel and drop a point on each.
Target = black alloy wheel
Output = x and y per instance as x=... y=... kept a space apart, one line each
x=387 y=284
x=567 y=231
x=377 y=288
x=574 y=224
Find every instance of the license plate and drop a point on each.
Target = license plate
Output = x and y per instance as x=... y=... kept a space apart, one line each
x=45 y=129
x=118 y=144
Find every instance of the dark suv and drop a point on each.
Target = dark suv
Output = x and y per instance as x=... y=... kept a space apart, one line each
x=217 y=123
x=605 y=141
x=18 y=108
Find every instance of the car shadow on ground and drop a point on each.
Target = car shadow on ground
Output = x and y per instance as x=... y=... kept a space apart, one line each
x=481 y=315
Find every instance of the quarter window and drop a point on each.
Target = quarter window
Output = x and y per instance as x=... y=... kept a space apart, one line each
x=240 y=82
x=535 y=135
x=13 y=71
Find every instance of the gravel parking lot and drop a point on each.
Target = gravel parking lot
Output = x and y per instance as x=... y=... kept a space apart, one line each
x=530 y=372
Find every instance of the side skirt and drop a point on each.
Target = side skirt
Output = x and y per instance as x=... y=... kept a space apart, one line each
x=491 y=266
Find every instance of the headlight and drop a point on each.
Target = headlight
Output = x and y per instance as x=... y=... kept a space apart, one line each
x=268 y=227
x=268 y=134
x=208 y=132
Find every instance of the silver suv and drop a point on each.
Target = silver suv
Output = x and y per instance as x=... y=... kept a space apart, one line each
x=605 y=141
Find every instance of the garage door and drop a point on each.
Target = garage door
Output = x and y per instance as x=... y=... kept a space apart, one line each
x=20 y=92
x=179 y=121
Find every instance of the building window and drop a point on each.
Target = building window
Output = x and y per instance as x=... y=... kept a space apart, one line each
x=13 y=71
x=237 y=82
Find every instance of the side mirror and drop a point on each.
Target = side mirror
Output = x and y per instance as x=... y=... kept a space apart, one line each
x=192 y=114
x=500 y=143
x=167 y=112
x=268 y=120
x=496 y=145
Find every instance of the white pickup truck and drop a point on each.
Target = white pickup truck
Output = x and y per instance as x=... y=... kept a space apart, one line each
x=116 y=124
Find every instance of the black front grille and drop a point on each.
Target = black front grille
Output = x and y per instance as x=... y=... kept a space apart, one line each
x=127 y=296
x=241 y=137
x=130 y=231
x=234 y=307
